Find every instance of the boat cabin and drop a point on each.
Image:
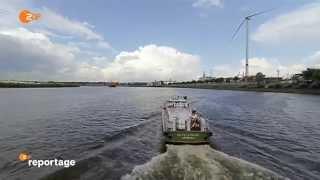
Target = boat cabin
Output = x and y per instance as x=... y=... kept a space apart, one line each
x=180 y=117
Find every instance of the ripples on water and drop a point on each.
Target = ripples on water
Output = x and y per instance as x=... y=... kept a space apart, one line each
x=109 y=131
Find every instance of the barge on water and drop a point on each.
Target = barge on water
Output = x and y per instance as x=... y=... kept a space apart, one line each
x=183 y=125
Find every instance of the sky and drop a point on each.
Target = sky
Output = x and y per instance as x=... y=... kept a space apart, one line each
x=147 y=40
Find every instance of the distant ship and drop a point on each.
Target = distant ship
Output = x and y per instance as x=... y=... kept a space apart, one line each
x=114 y=84
x=183 y=125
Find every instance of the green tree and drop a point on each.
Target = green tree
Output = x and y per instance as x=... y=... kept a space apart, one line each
x=311 y=74
x=219 y=80
x=260 y=78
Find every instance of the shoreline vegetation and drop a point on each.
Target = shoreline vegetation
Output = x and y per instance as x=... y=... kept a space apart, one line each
x=307 y=82
x=233 y=87
x=50 y=84
x=250 y=88
x=36 y=85
x=277 y=88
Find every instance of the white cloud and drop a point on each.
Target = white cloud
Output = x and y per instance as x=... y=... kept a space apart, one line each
x=207 y=3
x=59 y=48
x=301 y=25
x=9 y=11
x=314 y=60
x=34 y=56
x=270 y=67
x=225 y=70
x=52 y=34
x=103 y=44
x=65 y=28
x=49 y=20
x=27 y=55
x=22 y=33
x=51 y=24
x=56 y=22
x=153 y=62
x=23 y=51
x=263 y=65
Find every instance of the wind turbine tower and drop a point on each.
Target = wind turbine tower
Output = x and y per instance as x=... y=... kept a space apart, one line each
x=246 y=22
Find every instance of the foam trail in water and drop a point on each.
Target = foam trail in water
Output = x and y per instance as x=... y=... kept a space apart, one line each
x=199 y=162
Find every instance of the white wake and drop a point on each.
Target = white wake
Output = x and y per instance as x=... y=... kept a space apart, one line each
x=198 y=163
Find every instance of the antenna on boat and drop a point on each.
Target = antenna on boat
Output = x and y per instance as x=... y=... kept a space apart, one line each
x=246 y=21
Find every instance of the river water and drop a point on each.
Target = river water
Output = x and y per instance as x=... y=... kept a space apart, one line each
x=112 y=132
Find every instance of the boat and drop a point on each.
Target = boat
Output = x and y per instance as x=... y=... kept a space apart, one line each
x=183 y=125
x=113 y=84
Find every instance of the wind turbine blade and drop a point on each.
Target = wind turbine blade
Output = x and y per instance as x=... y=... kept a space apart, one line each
x=259 y=13
x=237 y=30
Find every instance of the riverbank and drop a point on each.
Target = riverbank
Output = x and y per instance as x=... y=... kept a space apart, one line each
x=36 y=85
x=256 y=89
x=246 y=88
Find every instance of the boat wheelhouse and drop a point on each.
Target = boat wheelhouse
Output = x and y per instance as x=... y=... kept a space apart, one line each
x=183 y=125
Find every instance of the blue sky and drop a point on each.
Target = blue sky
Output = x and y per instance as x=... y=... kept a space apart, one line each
x=204 y=31
x=100 y=35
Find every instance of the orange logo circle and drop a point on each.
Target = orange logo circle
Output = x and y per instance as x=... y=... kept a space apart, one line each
x=24 y=156
x=26 y=16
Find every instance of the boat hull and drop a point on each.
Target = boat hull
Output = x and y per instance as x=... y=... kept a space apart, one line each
x=187 y=137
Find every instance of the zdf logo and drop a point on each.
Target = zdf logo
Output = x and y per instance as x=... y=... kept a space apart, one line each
x=26 y=16
x=24 y=156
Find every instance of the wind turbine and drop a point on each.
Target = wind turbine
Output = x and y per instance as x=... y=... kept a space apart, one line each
x=246 y=21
